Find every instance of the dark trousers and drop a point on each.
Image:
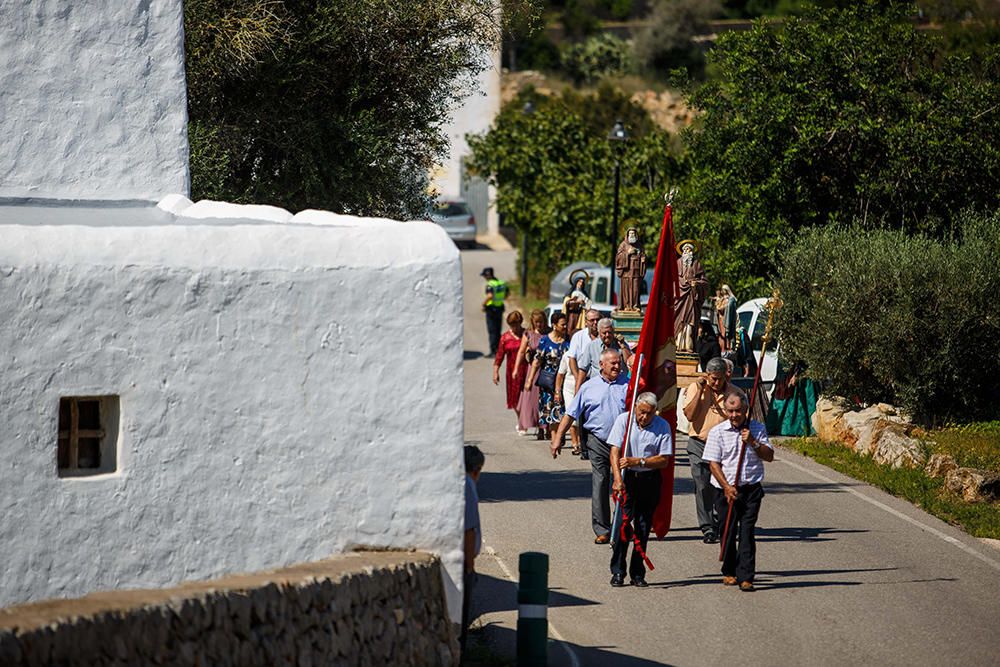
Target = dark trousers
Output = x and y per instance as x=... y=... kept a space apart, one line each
x=494 y=323
x=600 y=491
x=642 y=491
x=704 y=492
x=740 y=555
x=468 y=583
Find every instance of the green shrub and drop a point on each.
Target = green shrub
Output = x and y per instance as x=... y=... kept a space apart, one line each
x=597 y=57
x=908 y=320
x=333 y=104
x=845 y=114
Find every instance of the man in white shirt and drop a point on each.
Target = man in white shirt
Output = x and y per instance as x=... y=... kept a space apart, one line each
x=722 y=453
x=588 y=361
x=650 y=446
x=577 y=344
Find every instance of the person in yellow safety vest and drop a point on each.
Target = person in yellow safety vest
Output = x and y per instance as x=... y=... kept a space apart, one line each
x=496 y=292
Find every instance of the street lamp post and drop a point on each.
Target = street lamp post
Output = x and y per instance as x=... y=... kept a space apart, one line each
x=528 y=109
x=617 y=137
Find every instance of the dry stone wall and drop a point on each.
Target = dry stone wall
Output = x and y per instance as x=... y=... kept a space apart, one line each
x=368 y=608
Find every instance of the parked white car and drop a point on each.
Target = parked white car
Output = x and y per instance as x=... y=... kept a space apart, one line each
x=753 y=317
x=598 y=279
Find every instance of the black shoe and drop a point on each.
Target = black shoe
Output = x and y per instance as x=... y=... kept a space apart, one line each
x=617 y=580
x=710 y=538
x=639 y=582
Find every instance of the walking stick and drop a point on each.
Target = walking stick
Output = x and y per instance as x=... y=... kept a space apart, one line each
x=773 y=304
x=621 y=498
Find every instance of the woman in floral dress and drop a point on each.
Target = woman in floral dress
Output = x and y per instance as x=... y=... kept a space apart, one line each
x=543 y=372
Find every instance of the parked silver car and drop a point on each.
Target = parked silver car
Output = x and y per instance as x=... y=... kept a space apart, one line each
x=455 y=216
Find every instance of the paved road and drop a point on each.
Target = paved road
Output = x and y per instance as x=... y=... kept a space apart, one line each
x=846 y=573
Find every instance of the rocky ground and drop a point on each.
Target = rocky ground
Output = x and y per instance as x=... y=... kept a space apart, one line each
x=667 y=108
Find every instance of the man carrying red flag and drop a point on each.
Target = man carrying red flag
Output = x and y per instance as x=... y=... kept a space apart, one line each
x=647 y=445
x=656 y=346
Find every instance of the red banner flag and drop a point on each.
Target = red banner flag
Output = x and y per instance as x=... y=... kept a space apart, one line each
x=656 y=344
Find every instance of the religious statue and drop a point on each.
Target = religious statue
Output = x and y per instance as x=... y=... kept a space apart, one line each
x=577 y=300
x=630 y=265
x=693 y=289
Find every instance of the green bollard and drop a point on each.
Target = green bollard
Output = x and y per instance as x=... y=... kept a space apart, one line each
x=532 y=609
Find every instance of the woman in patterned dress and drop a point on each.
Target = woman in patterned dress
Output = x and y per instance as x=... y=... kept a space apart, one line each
x=545 y=366
x=510 y=343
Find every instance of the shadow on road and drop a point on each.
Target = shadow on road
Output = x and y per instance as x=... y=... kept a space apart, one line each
x=801 y=534
x=469 y=355
x=774 y=579
x=534 y=485
x=492 y=595
x=810 y=487
x=500 y=646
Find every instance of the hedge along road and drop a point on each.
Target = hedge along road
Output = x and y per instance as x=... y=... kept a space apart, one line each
x=845 y=572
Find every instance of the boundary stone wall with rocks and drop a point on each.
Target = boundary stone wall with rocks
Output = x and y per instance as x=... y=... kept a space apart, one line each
x=364 y=608
x=883 y=433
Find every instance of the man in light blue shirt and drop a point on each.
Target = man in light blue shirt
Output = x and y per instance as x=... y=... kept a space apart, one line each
x=649 y=448
x=596 y=406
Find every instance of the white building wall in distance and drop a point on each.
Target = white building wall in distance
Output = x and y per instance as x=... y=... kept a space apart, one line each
x=94 y=100
x=474 y=115
x=286 y=391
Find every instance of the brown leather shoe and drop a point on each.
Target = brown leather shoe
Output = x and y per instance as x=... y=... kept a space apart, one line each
x=729 y=581
x=747 y=587
x=604 y=539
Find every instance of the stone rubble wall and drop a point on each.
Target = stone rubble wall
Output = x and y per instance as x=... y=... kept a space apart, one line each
x=365 y=608
x=883 y=433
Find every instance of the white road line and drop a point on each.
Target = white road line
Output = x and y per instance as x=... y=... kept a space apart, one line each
x=573 y=659
x=934 y=531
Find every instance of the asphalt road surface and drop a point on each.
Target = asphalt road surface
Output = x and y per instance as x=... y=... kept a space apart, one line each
x=846 y=573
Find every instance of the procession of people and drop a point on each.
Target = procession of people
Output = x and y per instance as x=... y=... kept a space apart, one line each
x=585 y=383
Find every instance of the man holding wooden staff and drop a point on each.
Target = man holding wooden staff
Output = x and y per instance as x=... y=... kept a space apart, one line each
x=736 y=451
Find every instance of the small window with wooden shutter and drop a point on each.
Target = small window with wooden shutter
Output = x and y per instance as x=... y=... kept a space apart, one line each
x=88 y=435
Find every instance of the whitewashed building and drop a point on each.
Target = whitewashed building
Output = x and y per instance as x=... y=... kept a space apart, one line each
x=189 y=389
x=474 y=116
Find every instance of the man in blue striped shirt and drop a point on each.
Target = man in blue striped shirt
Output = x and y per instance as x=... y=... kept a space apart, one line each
x=722 y=453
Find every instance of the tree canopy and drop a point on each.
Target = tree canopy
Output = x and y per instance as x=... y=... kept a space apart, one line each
x=335 y=104
x=843 y=114
x=555 y=172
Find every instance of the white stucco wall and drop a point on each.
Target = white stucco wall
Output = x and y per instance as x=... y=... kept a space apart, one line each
x=288 y=390
x=93 y=103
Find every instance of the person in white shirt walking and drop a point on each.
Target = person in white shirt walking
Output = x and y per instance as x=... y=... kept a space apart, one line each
x=649 y=448
x=722 y=453
x=568 y=370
